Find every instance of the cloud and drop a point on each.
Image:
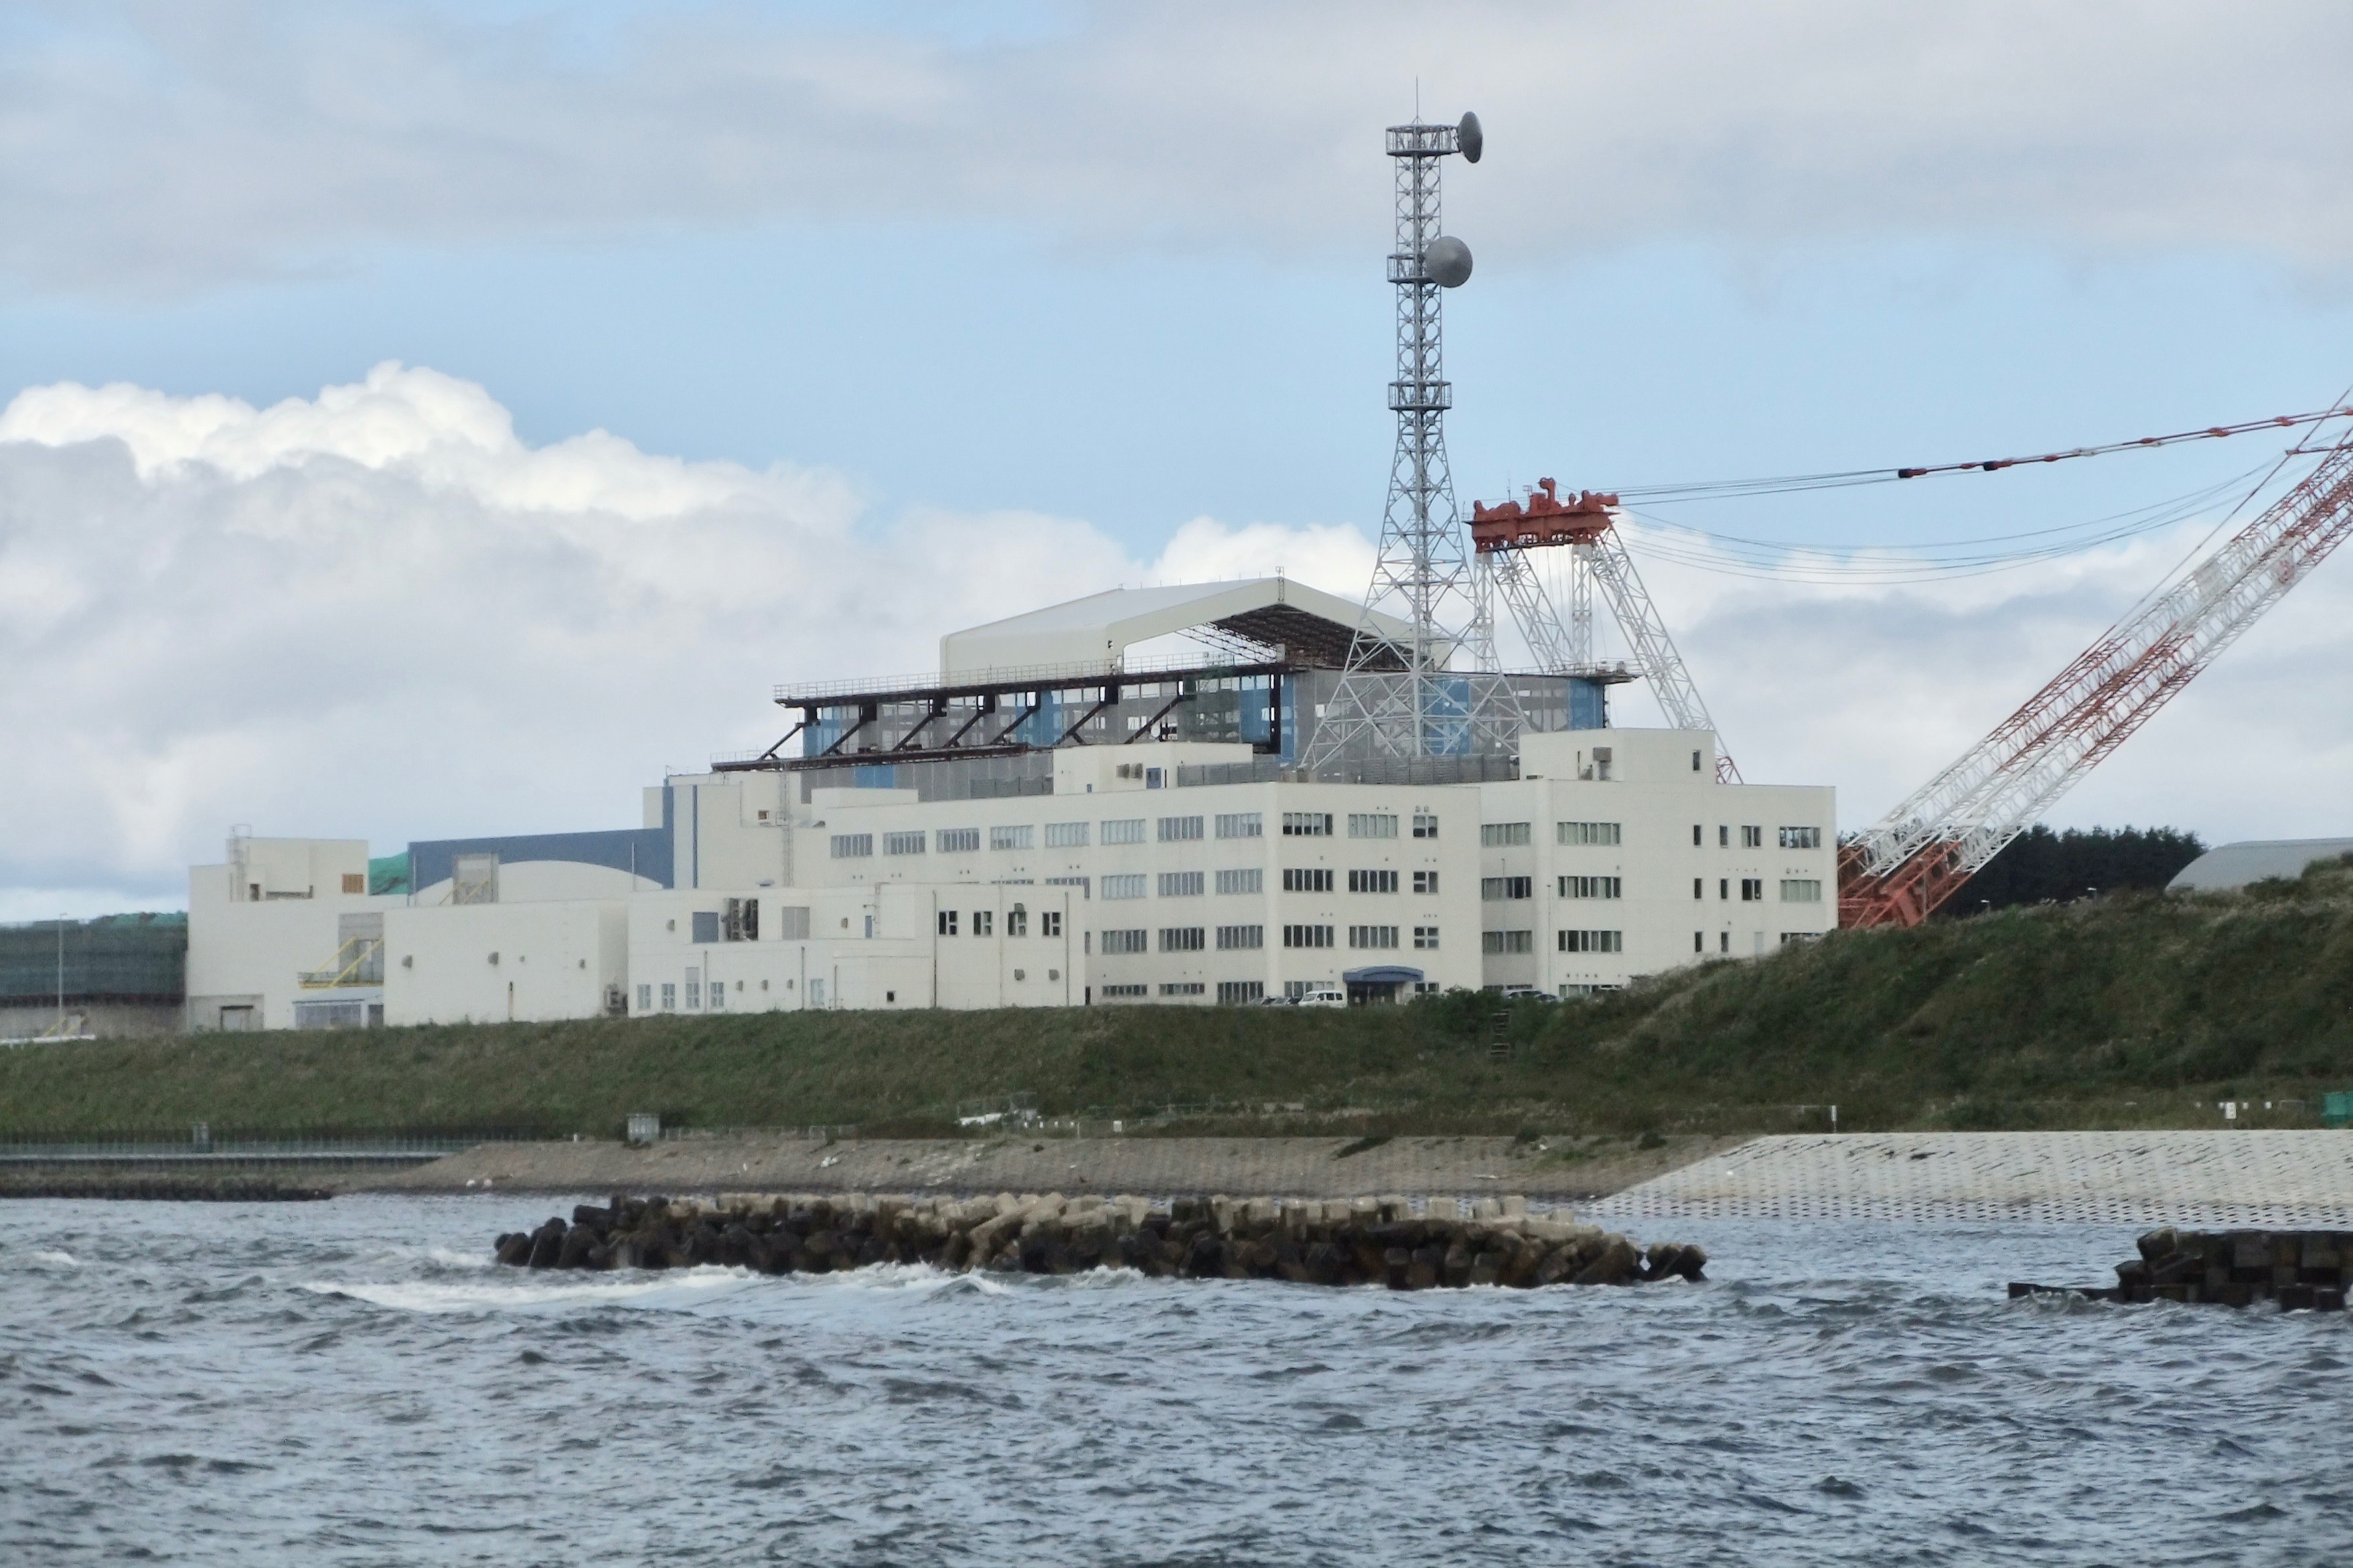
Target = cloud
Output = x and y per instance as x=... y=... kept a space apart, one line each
x=160 y=150
x=377 y=613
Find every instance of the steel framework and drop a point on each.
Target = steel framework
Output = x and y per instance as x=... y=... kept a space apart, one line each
x=1898 y=871
x=1586 y=526
x=1378 y=710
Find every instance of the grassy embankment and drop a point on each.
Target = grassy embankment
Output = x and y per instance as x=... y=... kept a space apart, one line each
x=2141 y=1011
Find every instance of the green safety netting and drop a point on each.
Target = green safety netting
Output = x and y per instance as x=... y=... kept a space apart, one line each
x=388 y=873
x=122 y=957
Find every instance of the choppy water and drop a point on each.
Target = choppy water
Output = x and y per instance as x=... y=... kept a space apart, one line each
x=353 y=1382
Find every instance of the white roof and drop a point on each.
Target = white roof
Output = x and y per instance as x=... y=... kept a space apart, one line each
x=2230 y=866
x=1102 y=627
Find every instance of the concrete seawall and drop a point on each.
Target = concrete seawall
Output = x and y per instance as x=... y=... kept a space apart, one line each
x=2269 y=1179
x=1549 y=1169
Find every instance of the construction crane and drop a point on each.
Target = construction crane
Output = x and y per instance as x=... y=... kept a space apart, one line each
x=1585 y=525
x=1901 y=869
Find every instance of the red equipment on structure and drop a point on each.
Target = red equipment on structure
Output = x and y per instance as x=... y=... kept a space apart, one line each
x=1544 y=520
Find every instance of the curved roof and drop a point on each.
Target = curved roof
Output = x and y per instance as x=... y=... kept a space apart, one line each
x=2228 y=866
x=1309 y=625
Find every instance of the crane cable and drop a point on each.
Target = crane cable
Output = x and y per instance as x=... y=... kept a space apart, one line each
x=1726 y=490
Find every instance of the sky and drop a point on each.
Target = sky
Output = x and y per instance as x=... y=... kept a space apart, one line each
x=435 y=419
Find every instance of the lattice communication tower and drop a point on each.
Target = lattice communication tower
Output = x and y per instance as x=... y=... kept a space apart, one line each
x=1400 y=698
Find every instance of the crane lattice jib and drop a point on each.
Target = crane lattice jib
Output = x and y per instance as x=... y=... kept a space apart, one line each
x=1919 y=854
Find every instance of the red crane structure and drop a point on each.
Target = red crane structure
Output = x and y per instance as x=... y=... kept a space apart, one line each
x=1584 y=524
x=1897 y=871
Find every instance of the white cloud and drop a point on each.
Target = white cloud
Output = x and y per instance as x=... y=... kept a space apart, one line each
x=165 y=149
x=377 y=613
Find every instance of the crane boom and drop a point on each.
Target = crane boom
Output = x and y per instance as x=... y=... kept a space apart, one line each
x=1917 y=855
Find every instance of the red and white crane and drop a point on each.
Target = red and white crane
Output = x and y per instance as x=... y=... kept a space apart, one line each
x=1898 y=870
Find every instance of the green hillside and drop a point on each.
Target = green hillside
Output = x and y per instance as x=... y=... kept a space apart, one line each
x=2140 y=1011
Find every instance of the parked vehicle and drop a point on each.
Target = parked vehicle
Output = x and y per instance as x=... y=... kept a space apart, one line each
x=1323 y=996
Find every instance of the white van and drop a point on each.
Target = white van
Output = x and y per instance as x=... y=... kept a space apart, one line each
x=1323 y=996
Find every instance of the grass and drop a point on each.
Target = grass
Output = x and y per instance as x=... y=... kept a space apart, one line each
x=2128 y=1012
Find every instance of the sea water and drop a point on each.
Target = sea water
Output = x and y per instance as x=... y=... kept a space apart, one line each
x=356 y=1382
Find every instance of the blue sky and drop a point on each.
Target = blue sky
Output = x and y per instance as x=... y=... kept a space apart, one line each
x=1091 y=274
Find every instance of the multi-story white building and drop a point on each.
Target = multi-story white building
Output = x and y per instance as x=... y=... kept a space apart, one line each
x=1181 y=858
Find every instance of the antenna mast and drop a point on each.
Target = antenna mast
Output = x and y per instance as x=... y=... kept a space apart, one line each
x=1397 y=698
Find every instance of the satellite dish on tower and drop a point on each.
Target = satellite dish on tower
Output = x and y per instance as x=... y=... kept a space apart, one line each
x=1468 y=137
x=1447 y=262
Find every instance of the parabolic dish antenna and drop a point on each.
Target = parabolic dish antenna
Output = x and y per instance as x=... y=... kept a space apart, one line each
x=1447 y=262
x=1469 y=138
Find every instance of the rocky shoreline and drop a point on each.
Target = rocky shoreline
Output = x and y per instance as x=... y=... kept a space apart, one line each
x=1358 y=1241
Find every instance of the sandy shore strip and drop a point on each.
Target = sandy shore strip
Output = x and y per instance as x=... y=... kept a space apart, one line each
x=1556 y=1169
x=2274 y=1180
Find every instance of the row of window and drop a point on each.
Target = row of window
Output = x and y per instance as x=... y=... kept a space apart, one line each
x=1509 y=835
x=1754 y=838
x=1495 y=942
x=1794 y=890
x=1295 y=824
x=1016 y=922
x=695 y=994
x=1249 y=938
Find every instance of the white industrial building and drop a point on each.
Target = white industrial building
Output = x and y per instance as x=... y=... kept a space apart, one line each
x=1057 y=818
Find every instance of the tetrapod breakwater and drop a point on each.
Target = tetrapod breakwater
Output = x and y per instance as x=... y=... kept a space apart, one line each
x=2307 y=1270
x=1356 y=1241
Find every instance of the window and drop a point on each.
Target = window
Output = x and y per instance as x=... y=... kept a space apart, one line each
x=670 y=996
x=1307 y=825
x=984 y=922
x=1308 y=936
x=1084 y=884
x=1180 y=884
x=1696 y=838
x=1425 y=881
x=1017 y=922
x=1723 y=886
x=1066 y=836
x=1306 y=879
x=1127 y=830
x=705 y=924
x=1801 y=890
x=945 y=922
x=1699 y=942
x=1752 y=889
x=1724 y=942
x=1049 y=922
x=1182 y=939
x=1494 y=941
x=1723 y=837
x=719 y=996
x=1699 y=887
x=693 y=989
x=1802 y=838
x=1752 y=838
x=1372 y=825
x=1592 y=941
x=1372 y=881
x=1494 y=889
x=645 y=998
x=904 y=842
x=1425 y=936
x=1696 y=767
x=1124 y=942
x=1114 y=993
x=1241 y=824
x=1010 y=837
x=1425 y=825
x=1239 y=992
x=1249 y=879
x=1129 y=886
x=1502 y=834
x=1591 y=887
x=1179 y=829
x=852 y=846
x=957 y=840
x=1240 y=939
x=1587 y=832
x=1182 y=988
x=1372 y=936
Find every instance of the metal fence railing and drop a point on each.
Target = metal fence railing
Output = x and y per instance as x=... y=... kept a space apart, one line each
x=203 y=1142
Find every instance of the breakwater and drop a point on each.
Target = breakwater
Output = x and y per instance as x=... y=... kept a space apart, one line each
x=2301 y=1270
x=1358 y=1241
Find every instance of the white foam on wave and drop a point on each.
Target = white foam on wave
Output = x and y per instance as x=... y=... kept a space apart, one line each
x=52 y=1260
x=681 y=1289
